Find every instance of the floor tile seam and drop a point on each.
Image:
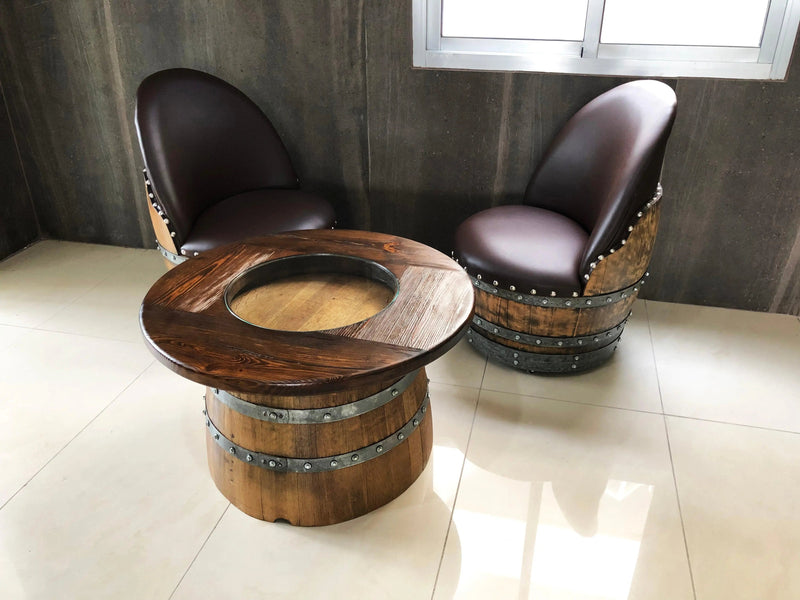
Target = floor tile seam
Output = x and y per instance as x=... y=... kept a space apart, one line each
x=718 y=422
x=455 y=385
x=197 y=554
x=79 y=433
x=84 y=335
x=680 y=507
x=579 y=402
x=455 y=496
x=653 y=353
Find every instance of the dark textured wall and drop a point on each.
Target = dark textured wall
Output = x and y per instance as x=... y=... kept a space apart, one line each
x=397 y=149
x=17 y=216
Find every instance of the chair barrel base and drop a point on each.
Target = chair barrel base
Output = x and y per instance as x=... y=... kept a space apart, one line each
x=533 y=362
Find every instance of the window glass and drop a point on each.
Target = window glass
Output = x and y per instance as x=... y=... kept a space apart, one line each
x=514 y=19
x=684 y=22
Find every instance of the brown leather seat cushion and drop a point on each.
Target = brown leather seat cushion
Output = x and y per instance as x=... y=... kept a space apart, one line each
x=257 y=213
x=523 y=246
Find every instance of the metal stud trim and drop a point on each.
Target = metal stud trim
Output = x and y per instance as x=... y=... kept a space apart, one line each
x=541 y=363
x=563 y=301
x=317 y=465
x=170 y=256
x=314 y=415
x=586 y=342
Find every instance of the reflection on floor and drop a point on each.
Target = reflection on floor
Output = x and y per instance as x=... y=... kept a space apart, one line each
x=672 y=472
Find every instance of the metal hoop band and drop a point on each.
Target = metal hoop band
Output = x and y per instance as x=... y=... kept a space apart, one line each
x=587 y=342
x=541 y=363
x=314 y=415
x=317 y=465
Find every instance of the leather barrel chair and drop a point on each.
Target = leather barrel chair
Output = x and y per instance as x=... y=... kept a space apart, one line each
x=555 y=277
x=216 y=171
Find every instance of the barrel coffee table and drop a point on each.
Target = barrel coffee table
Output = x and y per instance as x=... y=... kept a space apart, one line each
x=313 y=346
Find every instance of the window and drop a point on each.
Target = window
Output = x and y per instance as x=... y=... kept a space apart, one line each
x=739 y=39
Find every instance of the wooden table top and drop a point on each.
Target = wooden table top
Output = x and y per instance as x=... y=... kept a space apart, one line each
x=189 y=328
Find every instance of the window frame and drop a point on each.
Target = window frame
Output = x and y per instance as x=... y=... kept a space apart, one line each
x=770 y=61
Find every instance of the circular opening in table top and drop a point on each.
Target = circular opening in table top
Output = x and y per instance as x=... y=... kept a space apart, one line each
x=311 y=292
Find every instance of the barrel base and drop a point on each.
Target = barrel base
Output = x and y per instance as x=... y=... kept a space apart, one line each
x=534 y=362
x=309 y=486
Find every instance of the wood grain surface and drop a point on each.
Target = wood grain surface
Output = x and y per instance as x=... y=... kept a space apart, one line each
x=189 y=329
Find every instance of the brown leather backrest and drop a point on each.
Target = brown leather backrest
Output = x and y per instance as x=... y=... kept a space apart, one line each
x=202 y=141
x=605 y=162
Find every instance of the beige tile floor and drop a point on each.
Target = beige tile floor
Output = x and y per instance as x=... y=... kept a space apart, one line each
x=672 y=472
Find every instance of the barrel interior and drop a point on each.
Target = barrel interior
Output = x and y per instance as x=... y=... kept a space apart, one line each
x=311 y=292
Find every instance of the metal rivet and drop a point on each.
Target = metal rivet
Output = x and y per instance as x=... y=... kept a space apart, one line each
x=516 y=337
x=264 y=413
x=147 y=182
x=166 y=221
x=232 y=450
x=334 y=463
x=172 y=234
x=609 y=300
x=495 y=282
x=208 y=423
x=544 y=301
x=636 y=289
x=519 y=297
x=516 y=354
x=574 y=294
x=415 y=422
x=469 y=340
x=379 y=449
x=623 y=294
x=574 y=366
x=577 y=358
x=401 y=436
x=327 y=416
x=272 y=463
x=596 y=339
x=204 y=410
x=538 y=341
x=601 y=257
x=183 y=252
x=592 y=264
x=151 y=195
x=630 y=228
x=552 y=293
x=196 y=253
x=647 y=274
x=622 y=242
x=273 y=415
x=512 y=288
x=580 y=342
x=395 y=392
x=478 y=276
x=155 y=205
x=478 y=321
x=560 y=343
x=533 y=292
x=496 y=330
x=611 y=251
x=586 y=277
x=249 y=458
x=307 y=466
x=568 y=303
x=424 y=408
x=516 y=362
x=161 y=213
x=639 y=214
x=354 y=458
x=216 y=436
x=588 y=302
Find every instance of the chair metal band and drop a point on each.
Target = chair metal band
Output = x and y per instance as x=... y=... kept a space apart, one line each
x=175 y=259
x=314 y=415
x=317 y=465
x=560 y=301
x=586 y=342
x=533 y=362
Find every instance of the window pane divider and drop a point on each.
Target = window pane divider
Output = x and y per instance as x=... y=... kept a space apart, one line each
x=594 y=23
